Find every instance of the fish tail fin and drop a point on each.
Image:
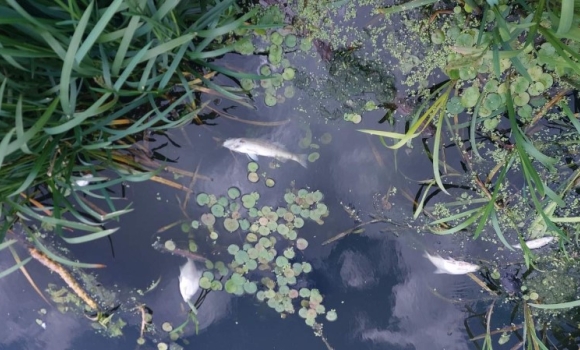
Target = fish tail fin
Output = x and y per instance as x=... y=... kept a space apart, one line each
x=303 y=160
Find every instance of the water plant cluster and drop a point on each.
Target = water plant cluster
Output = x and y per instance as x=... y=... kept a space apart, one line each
x=81 y=84
x=266 y=259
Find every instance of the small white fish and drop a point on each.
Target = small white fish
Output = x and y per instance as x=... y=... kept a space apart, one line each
x=536 y=243
x=451 y=266
x=189 y=277
x=256 y=147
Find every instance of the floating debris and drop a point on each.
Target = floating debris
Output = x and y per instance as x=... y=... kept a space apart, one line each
x=256 y=147
x=536 y=243
x=451 y=266
x=189 y=277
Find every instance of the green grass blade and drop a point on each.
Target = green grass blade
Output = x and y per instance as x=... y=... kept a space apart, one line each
x=90 y=237
x=104 y=18
x=566 y=17
x=14 y=267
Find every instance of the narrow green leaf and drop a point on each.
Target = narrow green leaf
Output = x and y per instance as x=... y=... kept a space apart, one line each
x=14 y=267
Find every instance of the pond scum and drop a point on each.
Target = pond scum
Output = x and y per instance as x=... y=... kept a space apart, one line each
x=507 y=70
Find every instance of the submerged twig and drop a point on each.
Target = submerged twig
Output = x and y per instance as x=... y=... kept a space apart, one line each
x=351 y=230
x=66 y=276
x=177 y=251
x=27 y=275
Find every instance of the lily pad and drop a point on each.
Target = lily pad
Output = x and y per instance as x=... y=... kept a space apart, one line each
x=202 y=199
x=231 y=224
x=218 y=210
x=301 y=243
x=234 y=192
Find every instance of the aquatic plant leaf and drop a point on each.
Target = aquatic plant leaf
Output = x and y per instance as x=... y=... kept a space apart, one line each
x=14 y=267
x=90 y=237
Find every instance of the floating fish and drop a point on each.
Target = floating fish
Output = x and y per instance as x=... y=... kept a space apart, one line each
x=256 y=147
x=189 y=277
x=536 y=243
x=451 y=266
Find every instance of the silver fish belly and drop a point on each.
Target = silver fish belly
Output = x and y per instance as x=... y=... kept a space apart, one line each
x=536 y=243
x=257 y=147
x=451 y=266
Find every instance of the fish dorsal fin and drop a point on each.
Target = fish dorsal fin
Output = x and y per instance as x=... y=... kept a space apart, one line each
x=252 y=156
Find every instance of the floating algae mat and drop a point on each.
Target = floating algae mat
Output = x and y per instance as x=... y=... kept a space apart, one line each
x=267 y=263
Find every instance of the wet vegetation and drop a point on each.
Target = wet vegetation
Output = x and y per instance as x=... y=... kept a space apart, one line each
x=85 y=86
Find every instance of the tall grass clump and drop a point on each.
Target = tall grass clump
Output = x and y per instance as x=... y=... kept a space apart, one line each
x=80 y=82
x=510 y=67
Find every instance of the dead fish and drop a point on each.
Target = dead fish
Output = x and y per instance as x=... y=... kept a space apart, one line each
x=257 y=147
x=451 y=266
x=536 y=243
x=189 y=277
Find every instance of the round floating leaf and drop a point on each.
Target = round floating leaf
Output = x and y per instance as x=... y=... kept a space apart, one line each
x=272 y=226
x=281 y=211
x=298 y=222
x=288 y=216
x=275 y=54
x=454 y=105
x=244 y=224
x=276 y=38
x=290 y=40
x=169 y=245
x=265 y=242
x=469 y=97
x=289 y=197
x=247 y=84
x=292 y=235
x=295 y=209
x=301 y=243
x=253 y=177
x=437 y=36
x=231 y=287
x=331 y=315
x=304 y=292
x=521 y=99
x=546 y=80
x=492 y=101
x=233 y=249
x=195 y=224
x=281 y=261
x=519 y=85
x=223 y=201
x=302 y=312
x=213 y=235
x=305 y=44
x=270 y=183
x=297 y=267
x=313 y=157
x=305 y=213
x=185 y=227
x=231 y=224
x=250 y=287
x=205 y=283
x=282 y=229
x=264 y=230
x=289 y=91
x=265 y=70
x=260 y=295
x=253 y=167
x=202 y=199
x=216 y=285
x=251 y=237
x=167 y=327
x=218 y=210
x=251 y=265
x=241 y=257
x=192 y=246
x=306 y=267
x=270 y=294
x=289 y=253
x=270 y=101
x=325 y=138
x=248 y=201
x=288 y=74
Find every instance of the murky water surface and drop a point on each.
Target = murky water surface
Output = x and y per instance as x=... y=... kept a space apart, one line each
x=384 y=291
